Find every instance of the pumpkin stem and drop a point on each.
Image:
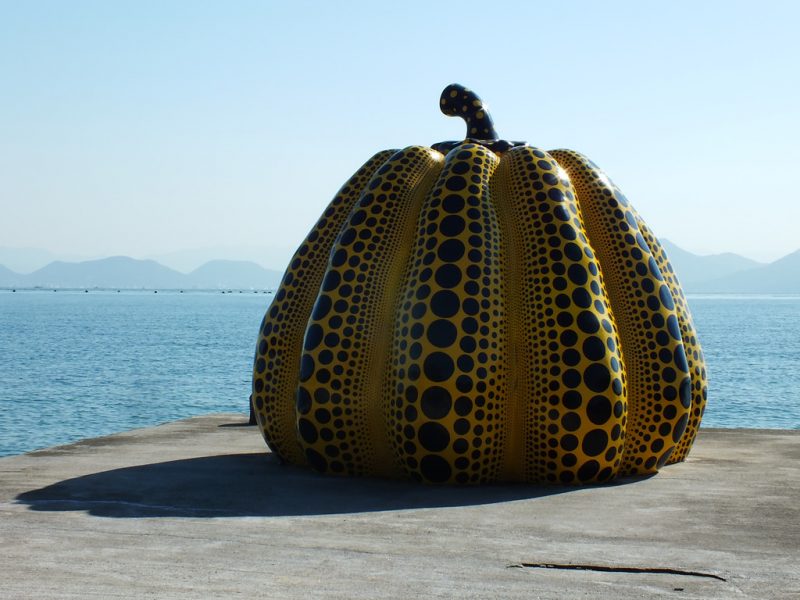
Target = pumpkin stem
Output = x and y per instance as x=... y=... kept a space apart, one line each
x=458 y=101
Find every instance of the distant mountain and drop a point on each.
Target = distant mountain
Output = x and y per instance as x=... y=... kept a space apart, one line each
x=114 y=272
x=717 y=273
x=9 y=278
x=694 y=269
x=235 y=274
x=779 y=277
x=129 y=273
x=187 y=261
x=27 y=260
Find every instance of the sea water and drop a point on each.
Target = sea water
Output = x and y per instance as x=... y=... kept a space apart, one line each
x=76 y=364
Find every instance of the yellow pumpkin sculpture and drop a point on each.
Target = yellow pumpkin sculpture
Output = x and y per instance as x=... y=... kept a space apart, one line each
x=479 y=311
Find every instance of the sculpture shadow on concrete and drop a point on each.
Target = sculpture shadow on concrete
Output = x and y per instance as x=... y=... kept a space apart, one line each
x=238 y=485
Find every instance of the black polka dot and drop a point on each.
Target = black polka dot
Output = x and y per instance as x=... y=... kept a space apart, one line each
x=654 y=269
x=686 y=392
x=588 y=470
x=331 y=281
x=568 y=337
x=434 y=468
x=572 y=399
x=573 y=251
x=442 y=333
x=469 y=325
x=307 y=431
x=448 y=276
x=340 y=256
x=569 y=442
x=571 y=357
x=674 y=329
x=571 y=378
x=455 y=183
x=599 y=410
x=465 y=363
x=322 y=415
x=571 y=421
x=303 y=403
x=463 y=406
x=568 y=460
x=321 y=308
x=460 y=167
x=451 y=250
x=581 y=297
x=438 y=366
x=680 y=427
x=595 y=442
x=587 y=322
x=594 y=348
x=567 y=232
x=680 y=359
x=313 y=337
x=597 y=377
x=561 y=213
x=577 y=274
x=452 y=225
x=662 y=460
x=434 y=437
x=471 y=306
x=453 y=203
x=435 y=402
x=464 y=383
x=564 y=319
x=445 y=304
x=306 y=367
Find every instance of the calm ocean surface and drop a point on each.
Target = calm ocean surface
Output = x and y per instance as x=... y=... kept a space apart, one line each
x=76 y=365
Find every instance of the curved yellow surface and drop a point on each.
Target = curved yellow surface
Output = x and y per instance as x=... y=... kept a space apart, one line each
x=480 y=317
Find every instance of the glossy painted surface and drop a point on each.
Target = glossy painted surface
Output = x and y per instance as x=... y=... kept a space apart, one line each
x=478 y=316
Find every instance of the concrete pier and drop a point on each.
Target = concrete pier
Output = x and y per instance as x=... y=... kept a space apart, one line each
x=199 y=509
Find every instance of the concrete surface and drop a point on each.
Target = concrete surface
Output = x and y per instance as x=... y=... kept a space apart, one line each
x=198 y=509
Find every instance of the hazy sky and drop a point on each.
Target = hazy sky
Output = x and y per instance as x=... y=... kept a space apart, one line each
x=148 y=127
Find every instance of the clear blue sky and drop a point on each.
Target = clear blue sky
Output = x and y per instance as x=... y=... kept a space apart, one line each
x=147 y=127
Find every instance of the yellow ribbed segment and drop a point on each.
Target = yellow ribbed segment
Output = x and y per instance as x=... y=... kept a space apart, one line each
x=567 y=369
x=659 y=387
x=491 y=315
x=694 y=353
x=447 y=412
x=280 y=340
x=340 y=394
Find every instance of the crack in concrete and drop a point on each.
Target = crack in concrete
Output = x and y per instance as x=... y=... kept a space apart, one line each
x=608 y=569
